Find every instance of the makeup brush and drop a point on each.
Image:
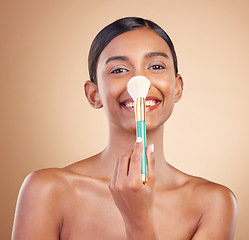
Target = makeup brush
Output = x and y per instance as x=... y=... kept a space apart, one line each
x=138 y=88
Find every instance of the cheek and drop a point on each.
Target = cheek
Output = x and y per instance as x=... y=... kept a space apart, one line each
x=109 y=94
x=167 y=88
x=169 y=97
x=110 y=88
x=168 y=92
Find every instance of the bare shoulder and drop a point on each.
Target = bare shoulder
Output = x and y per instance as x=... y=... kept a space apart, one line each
x=44 y=187
x=210 y=194
x=44 y=182
x=53 y=183
x=218 y=207
x=60 y=179
x=203 y=192
x=36 y=202
x=44 y=175
x=41 y=204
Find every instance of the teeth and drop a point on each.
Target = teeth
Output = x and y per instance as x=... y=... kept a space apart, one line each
x=148 y=103
x=130 y=104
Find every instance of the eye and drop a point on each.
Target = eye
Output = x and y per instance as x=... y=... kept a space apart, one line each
x=119 y=70
x=157 y=67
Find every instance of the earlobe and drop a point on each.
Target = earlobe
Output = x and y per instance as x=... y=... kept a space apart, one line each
x=178 y=88
x=92 y=94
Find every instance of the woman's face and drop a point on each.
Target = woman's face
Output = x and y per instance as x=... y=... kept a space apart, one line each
x=137 y=52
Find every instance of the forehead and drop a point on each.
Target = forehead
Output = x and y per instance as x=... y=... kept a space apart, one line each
x=139 y=41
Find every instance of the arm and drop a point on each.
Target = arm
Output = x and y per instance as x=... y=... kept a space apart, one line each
x=37 y=213
x=220 y=212
x=134 y=199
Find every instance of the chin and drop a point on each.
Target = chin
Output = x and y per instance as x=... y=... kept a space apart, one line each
x=154 y=123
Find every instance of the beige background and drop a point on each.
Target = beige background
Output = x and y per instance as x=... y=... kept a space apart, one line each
x=47 y=122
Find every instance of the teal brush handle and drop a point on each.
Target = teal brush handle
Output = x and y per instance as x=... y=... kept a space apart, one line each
x=141 y=132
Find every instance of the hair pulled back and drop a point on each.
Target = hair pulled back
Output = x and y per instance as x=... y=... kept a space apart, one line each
x=107 y=34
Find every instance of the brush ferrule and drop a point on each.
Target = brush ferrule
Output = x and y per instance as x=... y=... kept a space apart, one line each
x=140 y=109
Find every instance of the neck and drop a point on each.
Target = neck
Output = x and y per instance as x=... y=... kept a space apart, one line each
x=121 y=142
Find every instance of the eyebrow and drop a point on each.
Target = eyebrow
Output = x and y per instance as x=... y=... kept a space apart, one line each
x=155 y=54
x=123 y=58
x=147 y=55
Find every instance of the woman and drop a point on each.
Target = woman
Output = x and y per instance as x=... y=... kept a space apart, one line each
x=103 y=197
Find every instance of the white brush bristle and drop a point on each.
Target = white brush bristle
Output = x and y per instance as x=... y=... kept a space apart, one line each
x=138 y=86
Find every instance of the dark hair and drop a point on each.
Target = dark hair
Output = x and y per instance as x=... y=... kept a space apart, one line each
x=107 y=34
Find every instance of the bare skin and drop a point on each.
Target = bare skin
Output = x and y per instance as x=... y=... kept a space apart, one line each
x=103 y=197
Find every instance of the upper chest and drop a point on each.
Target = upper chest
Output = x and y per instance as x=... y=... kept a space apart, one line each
x=94 y=215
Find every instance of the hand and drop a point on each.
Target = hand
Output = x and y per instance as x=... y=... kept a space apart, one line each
x=133 y=198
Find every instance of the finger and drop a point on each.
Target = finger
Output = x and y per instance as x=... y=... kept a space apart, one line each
x=120 y=171
x=114 y=176
x=123 y=169
x=135 y=161
x=151 y=164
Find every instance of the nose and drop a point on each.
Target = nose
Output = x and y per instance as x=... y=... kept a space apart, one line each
x=138 y=86
x=141 y=71
x=143 y=74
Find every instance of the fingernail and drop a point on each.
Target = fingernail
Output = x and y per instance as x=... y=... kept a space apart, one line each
x=139 y=139
x=152 y=147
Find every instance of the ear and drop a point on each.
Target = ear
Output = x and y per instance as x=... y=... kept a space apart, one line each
x=178 y=88
x=92 y=94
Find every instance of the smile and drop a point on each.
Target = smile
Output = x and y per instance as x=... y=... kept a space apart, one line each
x=150 y=102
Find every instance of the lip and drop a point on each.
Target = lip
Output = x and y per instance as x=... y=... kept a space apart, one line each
x=130 y=101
